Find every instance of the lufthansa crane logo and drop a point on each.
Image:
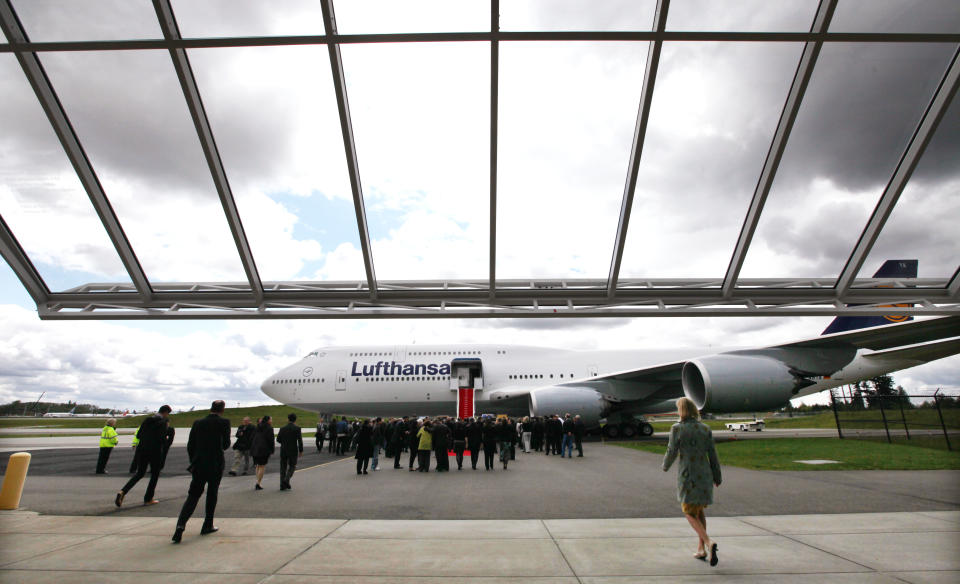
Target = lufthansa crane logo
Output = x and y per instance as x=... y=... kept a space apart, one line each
x=307 y=371
x=897 y=317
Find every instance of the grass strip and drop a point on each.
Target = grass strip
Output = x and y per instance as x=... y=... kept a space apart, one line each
x=850 y=419
x=780 y=454
x=181 y=420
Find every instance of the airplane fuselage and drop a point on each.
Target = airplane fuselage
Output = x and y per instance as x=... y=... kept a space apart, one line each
x=424 y=380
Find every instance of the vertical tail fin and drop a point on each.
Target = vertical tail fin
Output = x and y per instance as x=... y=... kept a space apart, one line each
x=889 y=269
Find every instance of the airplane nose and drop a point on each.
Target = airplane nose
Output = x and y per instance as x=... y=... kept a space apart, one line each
x=268 y=387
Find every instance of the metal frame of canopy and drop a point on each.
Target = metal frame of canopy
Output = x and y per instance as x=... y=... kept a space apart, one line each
x=493 y=297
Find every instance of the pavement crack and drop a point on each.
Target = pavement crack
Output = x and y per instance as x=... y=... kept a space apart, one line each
x=562 y=555
x=305 y=550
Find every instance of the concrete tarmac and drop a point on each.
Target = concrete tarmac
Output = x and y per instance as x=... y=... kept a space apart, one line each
x=865 y=548
x=608 y=518
x=608 y=482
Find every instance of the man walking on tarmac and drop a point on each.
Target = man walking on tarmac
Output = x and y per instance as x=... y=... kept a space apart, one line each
x=209 y=437
x=291 y=449
x=150 y=451
x=242 y=446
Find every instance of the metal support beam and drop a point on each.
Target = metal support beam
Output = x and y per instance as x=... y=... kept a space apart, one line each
x=48 y=99
x=349 y=144
x=191 y=93
x=954 y=285
x=368 y=310
x=515 y=298
x=494 y=121
x=801 y=79
x=510 y=36
x=21 y=265
x=639 y=134
x=901 y=175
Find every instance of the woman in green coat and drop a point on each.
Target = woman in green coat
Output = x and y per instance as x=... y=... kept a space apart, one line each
x=697 y=472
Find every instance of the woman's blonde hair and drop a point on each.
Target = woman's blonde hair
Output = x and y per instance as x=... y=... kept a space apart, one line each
x=687 y=409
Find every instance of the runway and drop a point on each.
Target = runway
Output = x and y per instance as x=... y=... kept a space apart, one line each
x=20 y=439
x=609 y=482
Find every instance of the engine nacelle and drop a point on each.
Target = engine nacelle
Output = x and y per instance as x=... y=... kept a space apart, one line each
x=739 y=383
x=586 y=402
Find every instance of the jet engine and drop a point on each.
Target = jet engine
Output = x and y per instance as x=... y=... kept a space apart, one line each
x=740 y=383
x=586 y=402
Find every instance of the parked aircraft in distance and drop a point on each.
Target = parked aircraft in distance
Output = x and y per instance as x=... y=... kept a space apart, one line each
x=397 y=380
x=72 y=414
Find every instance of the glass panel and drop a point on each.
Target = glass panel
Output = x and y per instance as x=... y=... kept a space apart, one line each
x=567 y=113
x=13 y=292
x=228 y=18
x=390 y=16
x=715 y=110
x=862 y=106
x=279 y=138
x=923 y=225
x=592 y=15
x=422 y=124
x=129 y=112
x=902 y=16
x=41 y=198
x=88 y=20
x=741 y=15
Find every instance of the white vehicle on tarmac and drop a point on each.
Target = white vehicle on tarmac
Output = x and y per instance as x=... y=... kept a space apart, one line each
x=746 y=426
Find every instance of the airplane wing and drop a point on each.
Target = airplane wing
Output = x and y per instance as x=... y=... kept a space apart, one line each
x=821 y=355
x=886 y=337
x=844 y=346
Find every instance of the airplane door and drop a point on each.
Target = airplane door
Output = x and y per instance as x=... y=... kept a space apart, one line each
x=341 y=380
x=401 y=353
x=593 y=370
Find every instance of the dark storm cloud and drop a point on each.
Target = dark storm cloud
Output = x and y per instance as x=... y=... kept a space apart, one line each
x=862 y=106
x=129 y=111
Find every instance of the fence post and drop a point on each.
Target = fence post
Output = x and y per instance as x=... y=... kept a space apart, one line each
x=884 y=415
x=946 y=436
x=833 y=402
x=903 y=416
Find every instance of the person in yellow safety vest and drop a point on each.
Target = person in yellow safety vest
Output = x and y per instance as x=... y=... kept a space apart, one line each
x=136 y=440
x=108 y=439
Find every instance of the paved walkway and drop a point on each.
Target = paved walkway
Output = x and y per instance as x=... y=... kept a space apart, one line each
x=867 y=548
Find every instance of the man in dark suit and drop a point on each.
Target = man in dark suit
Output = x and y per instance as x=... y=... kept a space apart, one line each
x=474 y=440
x=441 y=442
x=291 y=448
x=150 y=450
x=209 y=437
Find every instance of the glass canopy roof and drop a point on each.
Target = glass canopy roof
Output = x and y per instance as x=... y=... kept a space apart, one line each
x=532 y=158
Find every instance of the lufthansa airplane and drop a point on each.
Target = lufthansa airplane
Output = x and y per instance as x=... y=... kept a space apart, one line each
x=465 y=380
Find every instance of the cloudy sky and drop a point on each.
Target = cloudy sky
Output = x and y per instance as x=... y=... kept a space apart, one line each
x=421 y=121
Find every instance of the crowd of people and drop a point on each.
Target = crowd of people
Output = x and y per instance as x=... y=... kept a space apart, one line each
x=421 y=438
x=691 y=442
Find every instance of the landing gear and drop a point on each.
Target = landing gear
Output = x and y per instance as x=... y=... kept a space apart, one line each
x=627 y=429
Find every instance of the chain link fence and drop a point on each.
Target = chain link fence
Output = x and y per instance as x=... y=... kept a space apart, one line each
x=931 y=420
